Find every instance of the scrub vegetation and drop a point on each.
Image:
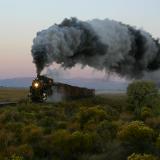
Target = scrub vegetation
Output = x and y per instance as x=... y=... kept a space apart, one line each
x=104 y=127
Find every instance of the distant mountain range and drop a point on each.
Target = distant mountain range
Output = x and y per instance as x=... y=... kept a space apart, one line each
x=16 y=82
x=98 y=84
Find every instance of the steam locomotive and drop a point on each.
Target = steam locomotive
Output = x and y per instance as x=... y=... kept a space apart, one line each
x=43 y=88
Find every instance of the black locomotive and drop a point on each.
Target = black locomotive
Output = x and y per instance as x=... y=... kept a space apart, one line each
x=41 y=88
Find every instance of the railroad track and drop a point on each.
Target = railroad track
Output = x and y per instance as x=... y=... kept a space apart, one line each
x=2 y=104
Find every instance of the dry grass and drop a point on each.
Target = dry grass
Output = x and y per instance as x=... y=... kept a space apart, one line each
x=13 y=94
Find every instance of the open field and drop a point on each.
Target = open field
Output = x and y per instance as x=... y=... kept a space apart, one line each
x=13 y=94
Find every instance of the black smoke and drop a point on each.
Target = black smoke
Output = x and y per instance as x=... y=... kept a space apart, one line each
x=101 y=44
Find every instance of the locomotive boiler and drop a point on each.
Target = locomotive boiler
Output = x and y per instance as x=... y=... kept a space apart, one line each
x=44 y=88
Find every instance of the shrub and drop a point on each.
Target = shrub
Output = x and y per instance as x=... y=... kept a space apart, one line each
x=32 y=134
x=66 y=145
x=94 y=114
x=141 y=93
x=25 y=150
x=15 y=157
x=136 y=136
x=107 y=130
x=142 y=157
x=10 y=115
x=158 y=142
x=126 y=116
x=153 y=122
x=146 y=112
x=92 y=157
x=6 y=139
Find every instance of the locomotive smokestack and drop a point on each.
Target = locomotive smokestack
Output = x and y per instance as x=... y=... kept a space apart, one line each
x=101 y=44
x=38 y=75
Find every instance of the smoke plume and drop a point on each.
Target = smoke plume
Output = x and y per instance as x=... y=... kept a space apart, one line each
x=101 y=44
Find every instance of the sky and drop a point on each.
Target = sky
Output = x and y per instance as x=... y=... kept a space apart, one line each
x=20 y=20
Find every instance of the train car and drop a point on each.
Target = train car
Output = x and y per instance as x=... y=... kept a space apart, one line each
x=72 y=92
x=44 y=88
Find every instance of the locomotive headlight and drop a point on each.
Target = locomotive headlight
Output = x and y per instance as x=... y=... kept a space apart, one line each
x=36 y=84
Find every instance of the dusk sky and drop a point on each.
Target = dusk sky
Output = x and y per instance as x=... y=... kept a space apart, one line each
x=21 y=19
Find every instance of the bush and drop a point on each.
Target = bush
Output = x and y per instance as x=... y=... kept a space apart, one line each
x=158 y=142
x=142 y=157
x=93 y=114
x=32 y=134
x=25 y=150
x=141 y=93
x=136 y=136
x=107 y=130
x=66 y=145
x=15 y=157
x=6 y=139
x=146 y=112
x=153 y=122
x=93 y=157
